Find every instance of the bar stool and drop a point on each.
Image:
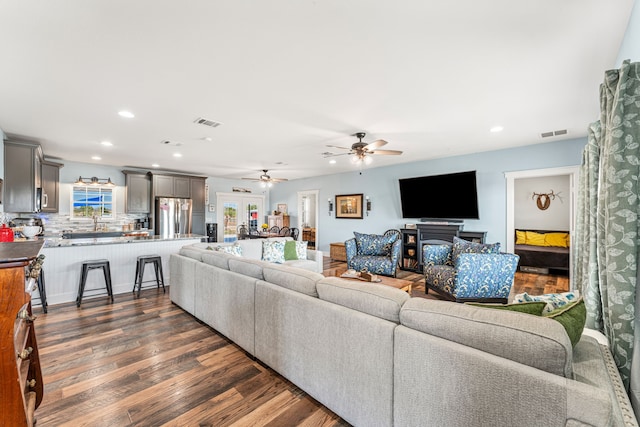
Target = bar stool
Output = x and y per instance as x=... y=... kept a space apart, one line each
x=94 y=265
x=42 y=291
x=143 y=260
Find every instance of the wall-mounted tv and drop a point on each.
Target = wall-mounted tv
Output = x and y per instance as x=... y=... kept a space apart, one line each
x=451 y=196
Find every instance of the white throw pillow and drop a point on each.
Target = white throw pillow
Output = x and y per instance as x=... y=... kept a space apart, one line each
x=273 y=251
x=230 y=249
x=301 y=249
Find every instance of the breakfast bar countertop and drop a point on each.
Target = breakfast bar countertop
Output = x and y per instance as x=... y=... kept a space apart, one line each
x=58 y=242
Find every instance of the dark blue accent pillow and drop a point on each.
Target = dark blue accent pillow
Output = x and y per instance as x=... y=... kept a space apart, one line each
x=374 y=244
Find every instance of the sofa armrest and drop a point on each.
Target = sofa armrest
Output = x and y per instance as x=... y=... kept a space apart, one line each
x=316 y=256
x=350 y=249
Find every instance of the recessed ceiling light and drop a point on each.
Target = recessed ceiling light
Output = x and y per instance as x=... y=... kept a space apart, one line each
x=126 y=114
x=177 y=155
x=96 y=158
x=155 y=165
x=106 y=143
x=332 y=161
x=496 y=129
x=207 y=138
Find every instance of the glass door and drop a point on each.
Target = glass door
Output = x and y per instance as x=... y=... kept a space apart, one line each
x=235 y=210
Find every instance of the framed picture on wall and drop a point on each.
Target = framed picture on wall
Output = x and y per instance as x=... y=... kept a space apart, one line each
x=349 y=206
x=282 y=208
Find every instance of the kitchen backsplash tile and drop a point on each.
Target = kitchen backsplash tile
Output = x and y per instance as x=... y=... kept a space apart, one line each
x=54 y=224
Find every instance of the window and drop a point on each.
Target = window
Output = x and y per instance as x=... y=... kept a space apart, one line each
x=89 y=201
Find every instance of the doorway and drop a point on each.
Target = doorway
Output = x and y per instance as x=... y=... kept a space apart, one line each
x=571 y=173
x=308 y=218
x=235 y=209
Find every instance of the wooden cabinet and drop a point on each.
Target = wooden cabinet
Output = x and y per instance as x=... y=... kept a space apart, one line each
x=337 y=251
x=138 y=192
x=50 y=186
x=413 y=239
x=22 y=177
x=278 y=221
x=171 y=186
x=20 y=373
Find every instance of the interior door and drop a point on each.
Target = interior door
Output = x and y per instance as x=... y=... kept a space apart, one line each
x=235 y=210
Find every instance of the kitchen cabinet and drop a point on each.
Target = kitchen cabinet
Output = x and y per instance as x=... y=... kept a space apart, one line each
x=138 y=192
x=171 y=186
x=22 y=177
x=50 y=186
x=197 y=187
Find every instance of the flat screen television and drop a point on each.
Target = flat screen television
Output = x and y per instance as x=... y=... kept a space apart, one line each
x=451 y=197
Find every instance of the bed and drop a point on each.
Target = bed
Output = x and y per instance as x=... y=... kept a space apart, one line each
x=543 y=251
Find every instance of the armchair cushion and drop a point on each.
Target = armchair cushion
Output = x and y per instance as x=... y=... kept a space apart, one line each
x=461 y=246
x=437 y=255
x=374 y=244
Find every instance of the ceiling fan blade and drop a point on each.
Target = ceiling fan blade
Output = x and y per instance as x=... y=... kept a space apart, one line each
x=387 y=152
x=335 y=146
x=252 y=179
x=325 y=155
x=278 y=179
x=375 y=144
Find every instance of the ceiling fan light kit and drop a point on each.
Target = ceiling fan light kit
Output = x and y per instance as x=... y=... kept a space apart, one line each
x=362 y=151
x=265 y=180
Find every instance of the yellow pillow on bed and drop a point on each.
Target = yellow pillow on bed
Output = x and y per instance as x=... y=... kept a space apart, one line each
x=557 y=239
x=521 y=238
x=535 y=239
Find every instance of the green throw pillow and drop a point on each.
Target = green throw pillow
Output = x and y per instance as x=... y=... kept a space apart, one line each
x=534 y=308
x=290 y=252
x=573 y=317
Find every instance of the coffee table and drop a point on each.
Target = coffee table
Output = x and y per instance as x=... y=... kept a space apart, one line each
x=402 y=284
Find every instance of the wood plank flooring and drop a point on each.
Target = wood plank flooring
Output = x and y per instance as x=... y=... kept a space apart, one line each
x=145 y=362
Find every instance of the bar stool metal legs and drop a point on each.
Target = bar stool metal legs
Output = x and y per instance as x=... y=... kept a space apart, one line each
x=42 y=291
x=141 y=263
x=93 y=265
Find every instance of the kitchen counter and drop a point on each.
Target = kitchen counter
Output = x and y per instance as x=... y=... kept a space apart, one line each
x=64 y=258
x=12 y=252
x=54 y=242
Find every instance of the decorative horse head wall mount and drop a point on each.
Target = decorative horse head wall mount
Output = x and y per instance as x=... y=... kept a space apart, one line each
x=543 y=200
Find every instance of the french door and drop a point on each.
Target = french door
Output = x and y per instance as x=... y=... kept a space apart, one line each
x=235 y=209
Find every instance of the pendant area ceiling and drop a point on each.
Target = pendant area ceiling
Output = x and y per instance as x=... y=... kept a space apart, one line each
x=284 y=79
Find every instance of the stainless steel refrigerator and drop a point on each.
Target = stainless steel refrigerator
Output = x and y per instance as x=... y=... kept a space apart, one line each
x=173 y=216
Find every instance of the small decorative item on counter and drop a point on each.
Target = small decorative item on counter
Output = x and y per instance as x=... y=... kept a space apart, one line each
x=265 y=226
x=6 y=234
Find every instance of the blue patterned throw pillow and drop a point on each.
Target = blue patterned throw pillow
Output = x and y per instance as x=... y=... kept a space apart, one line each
x=554 y=301
x=301 y=249
x=461 y=246
x=273 y=251
x=230 y=249
x=374 y=244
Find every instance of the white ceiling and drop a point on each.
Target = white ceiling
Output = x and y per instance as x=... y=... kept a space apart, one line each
x=286 y=78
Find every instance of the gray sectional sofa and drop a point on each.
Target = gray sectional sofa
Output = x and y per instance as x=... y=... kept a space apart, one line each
x=377 y=357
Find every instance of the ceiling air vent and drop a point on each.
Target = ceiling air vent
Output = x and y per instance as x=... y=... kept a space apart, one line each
x=553 y=133
x=207 y=122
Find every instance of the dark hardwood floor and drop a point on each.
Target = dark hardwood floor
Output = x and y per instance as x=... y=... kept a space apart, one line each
x=145 y=362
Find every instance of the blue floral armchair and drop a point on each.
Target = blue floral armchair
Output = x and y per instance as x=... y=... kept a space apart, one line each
x=468 y=271
x=376 y=253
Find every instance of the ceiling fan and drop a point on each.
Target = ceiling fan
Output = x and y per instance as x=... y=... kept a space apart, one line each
x=265 y=180
x=362 y=150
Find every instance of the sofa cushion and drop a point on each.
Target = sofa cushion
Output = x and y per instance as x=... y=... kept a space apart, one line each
x=461 y=246
x=248 y=267
x=218 y=259
x=374 y=244
x=290 y=252
x=192 y=253
x=301 y=249
x=295 y=279
x=370 y=298
x=305 y=264
x=532 y=340
x=572 y=317
x=273 y=251
x=234 y=249
x=554 y=301
x=251 y=248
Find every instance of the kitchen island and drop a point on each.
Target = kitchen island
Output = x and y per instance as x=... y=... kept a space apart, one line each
x=64 y=258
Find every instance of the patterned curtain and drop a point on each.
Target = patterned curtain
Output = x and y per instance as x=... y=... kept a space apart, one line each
x=607 y=228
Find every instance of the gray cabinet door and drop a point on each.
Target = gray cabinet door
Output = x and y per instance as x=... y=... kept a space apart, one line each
x=162 y=186
x=50 y=186
x=22 y=175
x=197 y=194
x=138 y=188
x=181 y=187
x=197 y=224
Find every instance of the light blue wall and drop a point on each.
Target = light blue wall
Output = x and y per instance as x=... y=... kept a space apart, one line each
x=381 y=185
x=630 y=48
x=222 y=185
